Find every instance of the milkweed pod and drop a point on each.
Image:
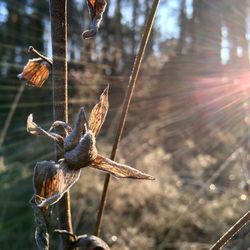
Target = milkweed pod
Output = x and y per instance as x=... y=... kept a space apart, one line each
x=51 y=180
x=35 y=72
x=83 y=154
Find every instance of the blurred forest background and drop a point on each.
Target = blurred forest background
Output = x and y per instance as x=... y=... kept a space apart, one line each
x=188 y=124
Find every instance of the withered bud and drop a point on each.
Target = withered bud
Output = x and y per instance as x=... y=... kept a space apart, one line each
x=35 y=72
x=96 y=10
x=79 y=129
x=83 y=154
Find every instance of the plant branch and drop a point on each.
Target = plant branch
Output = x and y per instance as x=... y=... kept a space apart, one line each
x=126 y=103
x=58 y=12
x=232 y=231
x=35 y=52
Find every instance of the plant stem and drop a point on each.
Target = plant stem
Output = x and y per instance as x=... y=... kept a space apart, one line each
x=126 y=103
x=58 y=12
x=232 y=231
x=10 y=114
x=35 y=52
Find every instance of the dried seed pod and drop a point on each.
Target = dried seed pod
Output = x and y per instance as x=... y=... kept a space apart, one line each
x=85 y=242
x=99 y=112
x=90 y=242
x=118 y=170
x=51 y=181
x=35 y=72
x=96 y=10
x=83 y=154
x=79 y=129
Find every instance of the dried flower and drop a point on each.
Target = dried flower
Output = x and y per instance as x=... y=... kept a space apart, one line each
x=35 y=72
x=96 y=10
x=52 y=180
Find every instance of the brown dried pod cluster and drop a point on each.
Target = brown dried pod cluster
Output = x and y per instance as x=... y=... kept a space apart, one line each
x=96 y=10
x=78 y=147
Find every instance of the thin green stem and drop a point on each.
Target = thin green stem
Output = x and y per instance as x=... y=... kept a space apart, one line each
x=126 y=103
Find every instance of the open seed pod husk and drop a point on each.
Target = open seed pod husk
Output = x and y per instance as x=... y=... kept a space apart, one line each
x=51 y=181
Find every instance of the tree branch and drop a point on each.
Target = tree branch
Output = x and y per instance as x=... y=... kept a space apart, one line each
x=232 y=231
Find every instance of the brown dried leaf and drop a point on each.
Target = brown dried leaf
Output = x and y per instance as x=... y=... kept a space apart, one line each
x=99 y=112
x=96 y=10
x=34 y=129
x=35 y=72
x=51 y=181
x=118 y=170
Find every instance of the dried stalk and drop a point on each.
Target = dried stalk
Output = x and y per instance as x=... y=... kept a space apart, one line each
x=126 y=103
x=58 y=13
x=232 y=231
x=11 y=113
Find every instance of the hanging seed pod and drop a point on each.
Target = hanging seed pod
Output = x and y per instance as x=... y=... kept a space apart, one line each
x=51 y=181
x=96 y=10
x=35 y=72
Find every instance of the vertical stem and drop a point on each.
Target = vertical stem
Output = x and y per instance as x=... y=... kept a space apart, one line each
x=10 y=114
x=58 y=12
x=126 y=103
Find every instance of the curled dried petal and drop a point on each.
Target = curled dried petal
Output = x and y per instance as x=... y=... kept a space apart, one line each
x=118 y=170
x=96 y=10
x=99 y=112
x=51 y=181
x=73 y=138
x=61 y=128
x=83 y=154
x=35 y=72
x=34 y=129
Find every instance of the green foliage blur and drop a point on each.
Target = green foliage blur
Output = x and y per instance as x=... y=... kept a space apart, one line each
x=188 y=124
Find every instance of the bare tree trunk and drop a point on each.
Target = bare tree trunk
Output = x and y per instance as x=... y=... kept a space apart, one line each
x=58 y=11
